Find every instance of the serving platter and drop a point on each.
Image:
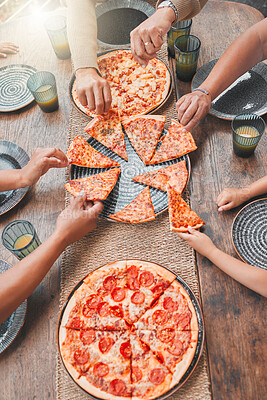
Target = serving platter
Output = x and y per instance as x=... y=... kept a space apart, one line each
x=248 y=94
x=200 y=337
x=12 y=156
x=10 y=328
x=249 y=233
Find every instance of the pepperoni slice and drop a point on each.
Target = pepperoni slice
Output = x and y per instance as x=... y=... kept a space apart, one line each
x=87 y=337
x=103 y=309
x=126 y=349
x=118 y=294
x=105 y=344
x=117 y=311
x=136 y=374
x=81 y=356
x=157 y=289
x=132 y=272
x=160 y=317
x=100 y=369
x=184 y=321
x=133 y=284
x=138 y=298
x=146 y=279
x=93 y=301
x=170 y=305
x=157 y=376
x=87 y=311
x=117 y=387
x=76 y=323
x=176 y=348
x=110 y=283
x=166 y=335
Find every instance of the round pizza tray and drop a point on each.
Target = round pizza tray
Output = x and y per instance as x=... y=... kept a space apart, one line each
x=73 y=78
x=126 y=189
x=200 y=342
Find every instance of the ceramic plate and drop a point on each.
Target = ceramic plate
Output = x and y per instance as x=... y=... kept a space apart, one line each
x=126 y=189
x=248 y=94
x=14 y=93
x=200 y=341
x=11 y=157
x=10 y=328
x=250 y=233
x=117 y=18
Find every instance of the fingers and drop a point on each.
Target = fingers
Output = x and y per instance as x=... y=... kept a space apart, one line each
x=8 y=48
x=226 y=207
x=83 y=98
x=61 y=158
x=183 y=235
x=97 y=208
x=79 y=201
x=3 y=55
x=138 y=49
x=107 y=97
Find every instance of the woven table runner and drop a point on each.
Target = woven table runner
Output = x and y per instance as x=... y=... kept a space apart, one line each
x=111 y=241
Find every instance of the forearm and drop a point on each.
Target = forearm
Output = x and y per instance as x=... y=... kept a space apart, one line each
x=11 y=179
x=19 y=282
x=82 y=33
x=253 y=277
x=187 y=9
x=257 y=188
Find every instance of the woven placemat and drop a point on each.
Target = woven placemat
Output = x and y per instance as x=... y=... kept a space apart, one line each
x=111 y=241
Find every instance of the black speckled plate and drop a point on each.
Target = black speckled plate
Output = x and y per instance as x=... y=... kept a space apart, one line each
x=200 y=342
x=249 y=232
x=14 y=93
x=248 y=94
x=126 y=189
x=11 y=157
x=10 y=328
x=117 y=18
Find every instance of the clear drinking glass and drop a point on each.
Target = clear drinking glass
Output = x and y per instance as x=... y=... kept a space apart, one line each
x=186 y=56
x=181 y=28
x=43 y=87
x=20 y=238
x=56 y=28
x=247 y=131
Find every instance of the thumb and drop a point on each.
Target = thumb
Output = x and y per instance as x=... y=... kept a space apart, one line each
x=225 y=207
x=79 y=200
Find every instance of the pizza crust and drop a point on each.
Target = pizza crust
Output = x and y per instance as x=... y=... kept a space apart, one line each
x=93 y=390
x=183 y=229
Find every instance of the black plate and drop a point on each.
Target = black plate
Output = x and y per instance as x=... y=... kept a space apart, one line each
x=248 y=94
x=126 y=189
x=11 y=157
x=117 y=18
x=14 y=93
x=10 y=328
x=249 y=233
x=200 y=342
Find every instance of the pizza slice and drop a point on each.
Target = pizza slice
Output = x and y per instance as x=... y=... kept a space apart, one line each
x=144 y=132
x=173 y=310
x=180 y=214
x=139 y=210
x=96 y=187
x=150 y=378
x=83 y=154
x=107 y=130
x=175 y=174
x=174 y=144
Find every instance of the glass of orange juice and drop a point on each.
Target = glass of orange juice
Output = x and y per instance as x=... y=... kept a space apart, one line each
x=20 y=238
x=247 y=131
x=56 y=28
x=43 y=87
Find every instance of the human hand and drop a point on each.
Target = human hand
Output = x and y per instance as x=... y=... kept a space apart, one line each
x=41 y=161
x=192 y=107
x=8 y=48
x=147 y=38
x=79 y=218
x=199 y=241
x=93 y=90
x=231 y=198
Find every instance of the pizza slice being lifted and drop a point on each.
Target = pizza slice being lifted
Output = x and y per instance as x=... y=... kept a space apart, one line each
x=107 y=130
x=175 y=144
x=139 y=210
x=181 y=215
x=144 y=132
x=83 y=154
x=97 y=187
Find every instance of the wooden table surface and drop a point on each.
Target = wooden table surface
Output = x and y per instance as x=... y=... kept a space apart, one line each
x=234 y=316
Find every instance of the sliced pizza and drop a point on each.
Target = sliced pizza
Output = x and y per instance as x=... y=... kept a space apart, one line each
x=96 y=187
x=139 y=210
x=175 y=174
x=83 y=154
x=107 y=130
x=180 y=214
x=144 y=132
x=174 y=144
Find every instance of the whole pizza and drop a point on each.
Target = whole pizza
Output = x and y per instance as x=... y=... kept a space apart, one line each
x=135 y=90
x=129 y=330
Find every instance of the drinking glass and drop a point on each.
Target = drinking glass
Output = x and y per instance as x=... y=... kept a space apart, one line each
x=186 y=56
x=56 y=28
x=181 y=28
x=43 y=87
x=247 y=131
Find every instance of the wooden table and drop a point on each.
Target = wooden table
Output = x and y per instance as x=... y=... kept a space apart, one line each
x=234 y=316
